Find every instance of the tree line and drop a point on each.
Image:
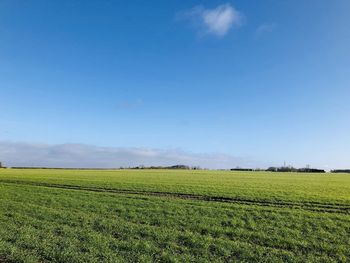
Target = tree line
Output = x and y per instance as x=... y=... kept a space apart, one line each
x=186 y=167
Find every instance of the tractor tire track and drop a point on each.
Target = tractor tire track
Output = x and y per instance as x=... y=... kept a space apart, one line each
x=311 y=206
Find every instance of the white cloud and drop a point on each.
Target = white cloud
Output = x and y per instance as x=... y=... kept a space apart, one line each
x=217 y=21
x=221 y=19
x=89 y=156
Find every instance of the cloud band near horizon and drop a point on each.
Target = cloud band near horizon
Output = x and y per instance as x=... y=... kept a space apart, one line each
x=23 y=154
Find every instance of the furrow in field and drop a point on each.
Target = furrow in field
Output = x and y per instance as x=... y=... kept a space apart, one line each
x=312 y=206
x=243 y=240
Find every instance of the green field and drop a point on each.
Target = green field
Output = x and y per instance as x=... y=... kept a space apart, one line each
x=173 y=216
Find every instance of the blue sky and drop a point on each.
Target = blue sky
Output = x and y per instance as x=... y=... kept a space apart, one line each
x=255 y=83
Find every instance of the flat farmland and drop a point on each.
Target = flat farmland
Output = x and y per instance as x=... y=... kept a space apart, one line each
x=56 y=215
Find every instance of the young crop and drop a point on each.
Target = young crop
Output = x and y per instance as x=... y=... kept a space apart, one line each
x=172 y=216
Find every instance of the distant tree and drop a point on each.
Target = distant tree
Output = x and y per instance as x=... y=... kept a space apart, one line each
x=179 y=166
x=272 y=169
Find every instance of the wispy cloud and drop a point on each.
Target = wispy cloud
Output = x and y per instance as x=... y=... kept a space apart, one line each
x=130 y=105
x=217 y=21
x=264 y=28
x=89 y=156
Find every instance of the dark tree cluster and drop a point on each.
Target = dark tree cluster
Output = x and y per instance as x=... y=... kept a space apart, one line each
x=341 y=171
x=282 y=169
x=242 y=169
x=292 y=169
x=311 y=170
x=173 y=167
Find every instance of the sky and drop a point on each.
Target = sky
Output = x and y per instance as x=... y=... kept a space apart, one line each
x=217 y=84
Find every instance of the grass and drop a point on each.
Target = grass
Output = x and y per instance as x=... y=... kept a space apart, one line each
x=173 y=216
